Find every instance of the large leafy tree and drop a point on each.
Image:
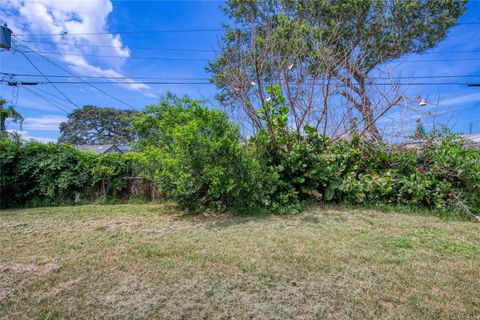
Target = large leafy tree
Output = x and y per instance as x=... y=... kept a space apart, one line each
x=95 y=125
x=325 y=53
x=151 y=126
x=8 y=112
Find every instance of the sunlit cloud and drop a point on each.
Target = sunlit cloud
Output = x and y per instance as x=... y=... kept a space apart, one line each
x=25 y=135
x=461 y=99
x=78 y=19
x=44 y=123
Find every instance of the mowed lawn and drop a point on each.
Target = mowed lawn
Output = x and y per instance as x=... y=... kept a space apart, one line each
x=151 y=261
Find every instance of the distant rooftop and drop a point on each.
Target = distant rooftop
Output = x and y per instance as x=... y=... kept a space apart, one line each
x=474 y=137
x=100 y=148
x=125 y=148
x=472 y=140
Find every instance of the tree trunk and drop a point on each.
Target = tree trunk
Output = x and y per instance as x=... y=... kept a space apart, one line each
x=367 y=111
x=369 y=123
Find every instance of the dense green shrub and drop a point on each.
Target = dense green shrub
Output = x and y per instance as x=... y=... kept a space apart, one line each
x=294 y=168
x=293 y=164
x=193 y=154
x=34 y=174
x=439 y=173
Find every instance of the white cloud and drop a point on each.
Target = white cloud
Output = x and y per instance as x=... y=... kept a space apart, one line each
x=151 y=95
x=25 y=135
x=80 y=65
x=74 y=17
x=461 y=100
x=44 y=123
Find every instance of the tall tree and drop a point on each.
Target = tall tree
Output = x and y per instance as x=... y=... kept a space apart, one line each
x=8 y=112
x=95 y=125
x=151 y=127
x=325 y=53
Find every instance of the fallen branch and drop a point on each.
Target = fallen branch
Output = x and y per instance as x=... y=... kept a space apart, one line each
x=466 y=209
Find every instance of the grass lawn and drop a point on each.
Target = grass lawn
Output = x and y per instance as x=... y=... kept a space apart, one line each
x=150 y=261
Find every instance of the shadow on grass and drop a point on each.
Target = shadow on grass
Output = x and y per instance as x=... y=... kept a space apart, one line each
x=403 y=209
x=313 y=214
x=223 y=220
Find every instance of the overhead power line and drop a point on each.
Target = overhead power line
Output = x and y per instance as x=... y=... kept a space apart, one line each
x=203 y=59
x=206 y=59
x=120 y=47
x=53 y=104
x=46 y=78
x=76 y=76
x=54 y=98
x=51 y=95
x=183 y=82
x=66 y=33
x=208 y=83
x=189 y=49
x=12 y=83
x=120 y=57
x=113 y=78
x=179 y=77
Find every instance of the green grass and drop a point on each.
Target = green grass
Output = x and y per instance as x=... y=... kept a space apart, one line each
x=151 y=261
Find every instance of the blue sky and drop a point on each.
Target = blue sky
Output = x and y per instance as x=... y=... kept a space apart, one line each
x=456 y=105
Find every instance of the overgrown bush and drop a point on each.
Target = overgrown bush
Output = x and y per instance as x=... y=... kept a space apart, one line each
x=34 y=174
x=295 y=165
x=193 y=154
x=440 y=173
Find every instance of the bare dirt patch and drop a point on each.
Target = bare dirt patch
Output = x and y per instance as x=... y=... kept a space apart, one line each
x=14 y=275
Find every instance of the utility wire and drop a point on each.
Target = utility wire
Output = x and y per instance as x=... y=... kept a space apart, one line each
x=120 y=57
x=60 y=91
x=51 y=94
x=208 y=83
x=122 y=32
x=203 y=59
x=207 y=78
x=104 y=77
x=168 y=80
x=339 y=84
x=47 y=94
x=120 y=47
x=83 y=81
x=66 y=33
x=53 y=104
x=191 y=49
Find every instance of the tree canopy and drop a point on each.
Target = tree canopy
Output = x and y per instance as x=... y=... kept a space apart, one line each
x=324 y=53
x=155 y=124
x=95 y=125
x=8 y=112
